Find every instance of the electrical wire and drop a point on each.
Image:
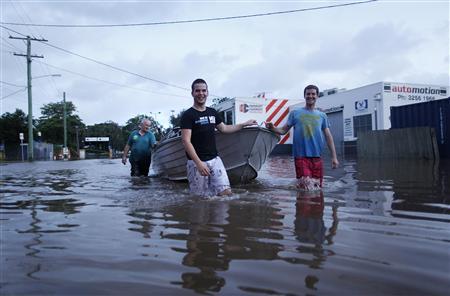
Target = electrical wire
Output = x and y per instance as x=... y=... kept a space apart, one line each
x=101 y=63
x=12 y=84
x=13 y=93
x=110 y=82
x=189 y=21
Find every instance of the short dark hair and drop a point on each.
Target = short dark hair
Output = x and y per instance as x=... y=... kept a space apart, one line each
x=196 y=81
x=311 y=86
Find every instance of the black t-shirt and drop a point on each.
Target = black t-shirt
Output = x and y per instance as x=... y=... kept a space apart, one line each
x=203 y=126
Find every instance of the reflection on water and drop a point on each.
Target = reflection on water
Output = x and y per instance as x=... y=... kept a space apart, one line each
x=86 y=227
x=311 y=232
x=415 y=186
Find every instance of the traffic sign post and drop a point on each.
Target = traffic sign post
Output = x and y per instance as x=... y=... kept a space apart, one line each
x=21 y=143
x=66 y=153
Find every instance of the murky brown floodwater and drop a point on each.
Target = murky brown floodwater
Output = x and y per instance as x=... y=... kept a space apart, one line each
x=86 y=227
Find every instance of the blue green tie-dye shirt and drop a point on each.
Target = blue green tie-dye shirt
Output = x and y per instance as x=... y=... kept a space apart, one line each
x=141 y=145
x=308 y=131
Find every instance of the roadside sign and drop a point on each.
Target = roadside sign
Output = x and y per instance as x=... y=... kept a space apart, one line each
x=96 y=139
x=21 y=136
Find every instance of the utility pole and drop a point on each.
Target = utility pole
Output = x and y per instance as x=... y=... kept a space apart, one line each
x=78 y=141
x=30 y=105
x=65 y=150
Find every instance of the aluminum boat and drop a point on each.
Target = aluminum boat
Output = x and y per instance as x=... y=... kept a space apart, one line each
x=243 y=154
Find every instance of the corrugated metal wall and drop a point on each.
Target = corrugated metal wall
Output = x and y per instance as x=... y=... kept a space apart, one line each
x=434 y=114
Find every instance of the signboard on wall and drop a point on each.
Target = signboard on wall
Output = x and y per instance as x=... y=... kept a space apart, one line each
x=361 y=105
x=348 y=128
x=415 y=93
x=251 y=108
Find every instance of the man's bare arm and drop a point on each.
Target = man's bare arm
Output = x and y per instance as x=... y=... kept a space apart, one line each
x=228 y=129
x=190 y=150
x=330 y=143
x=279 y=130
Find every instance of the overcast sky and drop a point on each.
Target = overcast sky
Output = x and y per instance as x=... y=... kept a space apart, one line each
x=344 y=47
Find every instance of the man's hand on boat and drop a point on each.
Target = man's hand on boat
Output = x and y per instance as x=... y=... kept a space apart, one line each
x=269 y=125
x=279 y=130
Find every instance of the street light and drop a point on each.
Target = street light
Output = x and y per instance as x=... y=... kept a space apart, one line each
x=21 y=143
x=377 y=98
x=155 y=113
x=49 y=75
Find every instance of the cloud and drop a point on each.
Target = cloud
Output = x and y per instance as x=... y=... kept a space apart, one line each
x=346 y=47
x=370 y=46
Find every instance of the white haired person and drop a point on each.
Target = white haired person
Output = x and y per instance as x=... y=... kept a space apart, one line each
x=140 y=142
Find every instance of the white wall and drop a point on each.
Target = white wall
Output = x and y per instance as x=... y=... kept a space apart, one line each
x=358 y=101
x=398 y=95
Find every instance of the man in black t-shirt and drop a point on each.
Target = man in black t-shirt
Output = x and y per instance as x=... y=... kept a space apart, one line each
x=206 y=173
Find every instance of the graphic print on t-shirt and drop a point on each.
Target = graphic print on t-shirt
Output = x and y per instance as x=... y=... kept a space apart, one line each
x=202 y=120
x=309 y=122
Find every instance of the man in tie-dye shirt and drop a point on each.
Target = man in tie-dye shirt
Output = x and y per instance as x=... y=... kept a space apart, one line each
x=311 y=126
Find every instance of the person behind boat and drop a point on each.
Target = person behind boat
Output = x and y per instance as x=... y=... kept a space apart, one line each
x=140 y=141
x=205 y=170
x=310 y=127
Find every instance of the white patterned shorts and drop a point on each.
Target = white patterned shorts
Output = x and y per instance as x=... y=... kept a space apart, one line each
x=211 y=185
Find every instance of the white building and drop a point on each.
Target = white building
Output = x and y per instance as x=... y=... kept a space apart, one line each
x=349 y=111
x=368 y=107
x=237 y=110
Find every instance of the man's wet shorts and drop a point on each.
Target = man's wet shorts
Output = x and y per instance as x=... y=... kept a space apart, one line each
x=208 y=185
x=307 y=168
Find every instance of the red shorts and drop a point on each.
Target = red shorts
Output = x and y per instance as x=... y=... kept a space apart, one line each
x=309 y=167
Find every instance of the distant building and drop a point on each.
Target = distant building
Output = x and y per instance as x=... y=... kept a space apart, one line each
x=262 y=109
x=368 y=107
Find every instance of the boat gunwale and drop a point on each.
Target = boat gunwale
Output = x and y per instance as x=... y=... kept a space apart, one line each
x=173 y=142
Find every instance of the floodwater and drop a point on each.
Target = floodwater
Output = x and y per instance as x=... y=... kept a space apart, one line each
x=87 y=228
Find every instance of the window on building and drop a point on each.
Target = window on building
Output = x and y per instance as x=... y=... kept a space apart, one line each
x=222 y=115
x=362 y=123
x=229 y=117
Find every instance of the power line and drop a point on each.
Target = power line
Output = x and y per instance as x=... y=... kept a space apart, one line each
x=5 y=41
x=11 y=94
x=109 y=66
x=12 y=84
x=189 y=21
x=104 y=64
x=117 y=68
x=110 y=82
x=45 y=70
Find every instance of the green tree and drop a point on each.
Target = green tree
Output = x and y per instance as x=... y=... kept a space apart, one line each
x=175 y=120
x=108 y=129
x=11 y=124
x=51 y=124
x=133 y=124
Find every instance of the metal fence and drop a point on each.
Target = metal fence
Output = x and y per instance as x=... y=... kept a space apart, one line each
x=435 y=114
x=17 y=152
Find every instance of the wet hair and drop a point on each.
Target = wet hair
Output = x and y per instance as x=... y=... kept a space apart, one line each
x=311 y=86
x=197 y=81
